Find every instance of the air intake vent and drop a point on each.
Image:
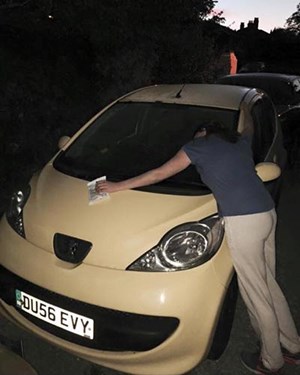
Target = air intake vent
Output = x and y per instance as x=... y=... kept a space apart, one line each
x=70 y=249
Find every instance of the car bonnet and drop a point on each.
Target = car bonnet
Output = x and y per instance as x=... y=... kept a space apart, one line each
x=120 y=228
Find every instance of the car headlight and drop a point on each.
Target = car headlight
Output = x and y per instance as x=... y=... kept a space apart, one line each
x=14 y=213
x=184 y=247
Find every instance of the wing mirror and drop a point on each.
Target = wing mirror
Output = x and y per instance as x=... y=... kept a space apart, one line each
x=268 y=171
x=63 y=141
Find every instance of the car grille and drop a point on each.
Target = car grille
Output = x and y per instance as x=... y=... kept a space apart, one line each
x=70 y=249
x=113 y=330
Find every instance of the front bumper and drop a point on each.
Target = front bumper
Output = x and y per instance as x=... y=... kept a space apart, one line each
x=131 y=304
x=114 y=330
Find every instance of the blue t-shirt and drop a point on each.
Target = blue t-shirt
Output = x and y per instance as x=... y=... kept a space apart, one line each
x=228 y=170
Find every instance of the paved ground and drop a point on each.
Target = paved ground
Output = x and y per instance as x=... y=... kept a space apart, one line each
x=48 y=360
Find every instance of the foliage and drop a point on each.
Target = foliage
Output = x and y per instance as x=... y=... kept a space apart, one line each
x=293 y=22
x=61 y=61
x=43 y=96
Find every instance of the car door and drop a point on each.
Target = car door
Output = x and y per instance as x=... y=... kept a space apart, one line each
x=265 y=128
x=267 y=139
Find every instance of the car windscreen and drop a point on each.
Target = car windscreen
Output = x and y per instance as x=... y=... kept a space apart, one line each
x=131 y=137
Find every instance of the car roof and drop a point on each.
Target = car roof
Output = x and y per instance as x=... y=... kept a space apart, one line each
x=208 y=95
x=260 y=75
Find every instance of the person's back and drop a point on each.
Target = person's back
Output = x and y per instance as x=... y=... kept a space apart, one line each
x=227 y=168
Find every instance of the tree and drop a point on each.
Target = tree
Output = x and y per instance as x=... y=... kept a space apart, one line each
x=293 y=22
x=62 y=60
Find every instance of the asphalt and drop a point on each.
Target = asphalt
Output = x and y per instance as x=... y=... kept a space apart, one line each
x=45 y=359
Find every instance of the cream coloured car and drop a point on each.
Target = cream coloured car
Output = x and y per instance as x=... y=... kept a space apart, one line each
x=142 y=281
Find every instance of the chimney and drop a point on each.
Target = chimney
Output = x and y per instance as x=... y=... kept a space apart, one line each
x=242 y=26
x=256 y=21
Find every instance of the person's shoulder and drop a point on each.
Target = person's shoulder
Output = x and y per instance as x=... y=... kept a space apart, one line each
x=195 y=142
x=194 y=149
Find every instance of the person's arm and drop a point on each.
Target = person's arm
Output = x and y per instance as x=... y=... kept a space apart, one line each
x=175 y=165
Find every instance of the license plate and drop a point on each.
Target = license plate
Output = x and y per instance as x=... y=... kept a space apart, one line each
x=65 y=319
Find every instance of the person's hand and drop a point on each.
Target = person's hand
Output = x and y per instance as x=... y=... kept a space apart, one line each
x=107 y=187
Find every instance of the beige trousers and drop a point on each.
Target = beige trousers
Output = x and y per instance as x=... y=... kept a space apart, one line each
x=251 y=239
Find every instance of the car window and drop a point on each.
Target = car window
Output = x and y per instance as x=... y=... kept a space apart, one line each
x=264 y=118
x=131 y=138
x=281 y=92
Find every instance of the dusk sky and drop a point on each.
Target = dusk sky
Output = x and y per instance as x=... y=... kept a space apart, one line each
x=271 y=13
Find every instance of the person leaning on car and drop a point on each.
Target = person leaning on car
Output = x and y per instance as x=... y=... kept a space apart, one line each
x=224 y=160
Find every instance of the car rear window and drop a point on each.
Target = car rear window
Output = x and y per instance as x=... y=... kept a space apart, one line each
x=131 y=138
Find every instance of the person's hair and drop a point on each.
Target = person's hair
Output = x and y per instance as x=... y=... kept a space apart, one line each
x=220 y=130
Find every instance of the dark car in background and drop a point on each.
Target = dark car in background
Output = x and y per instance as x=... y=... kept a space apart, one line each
x=284 y=90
